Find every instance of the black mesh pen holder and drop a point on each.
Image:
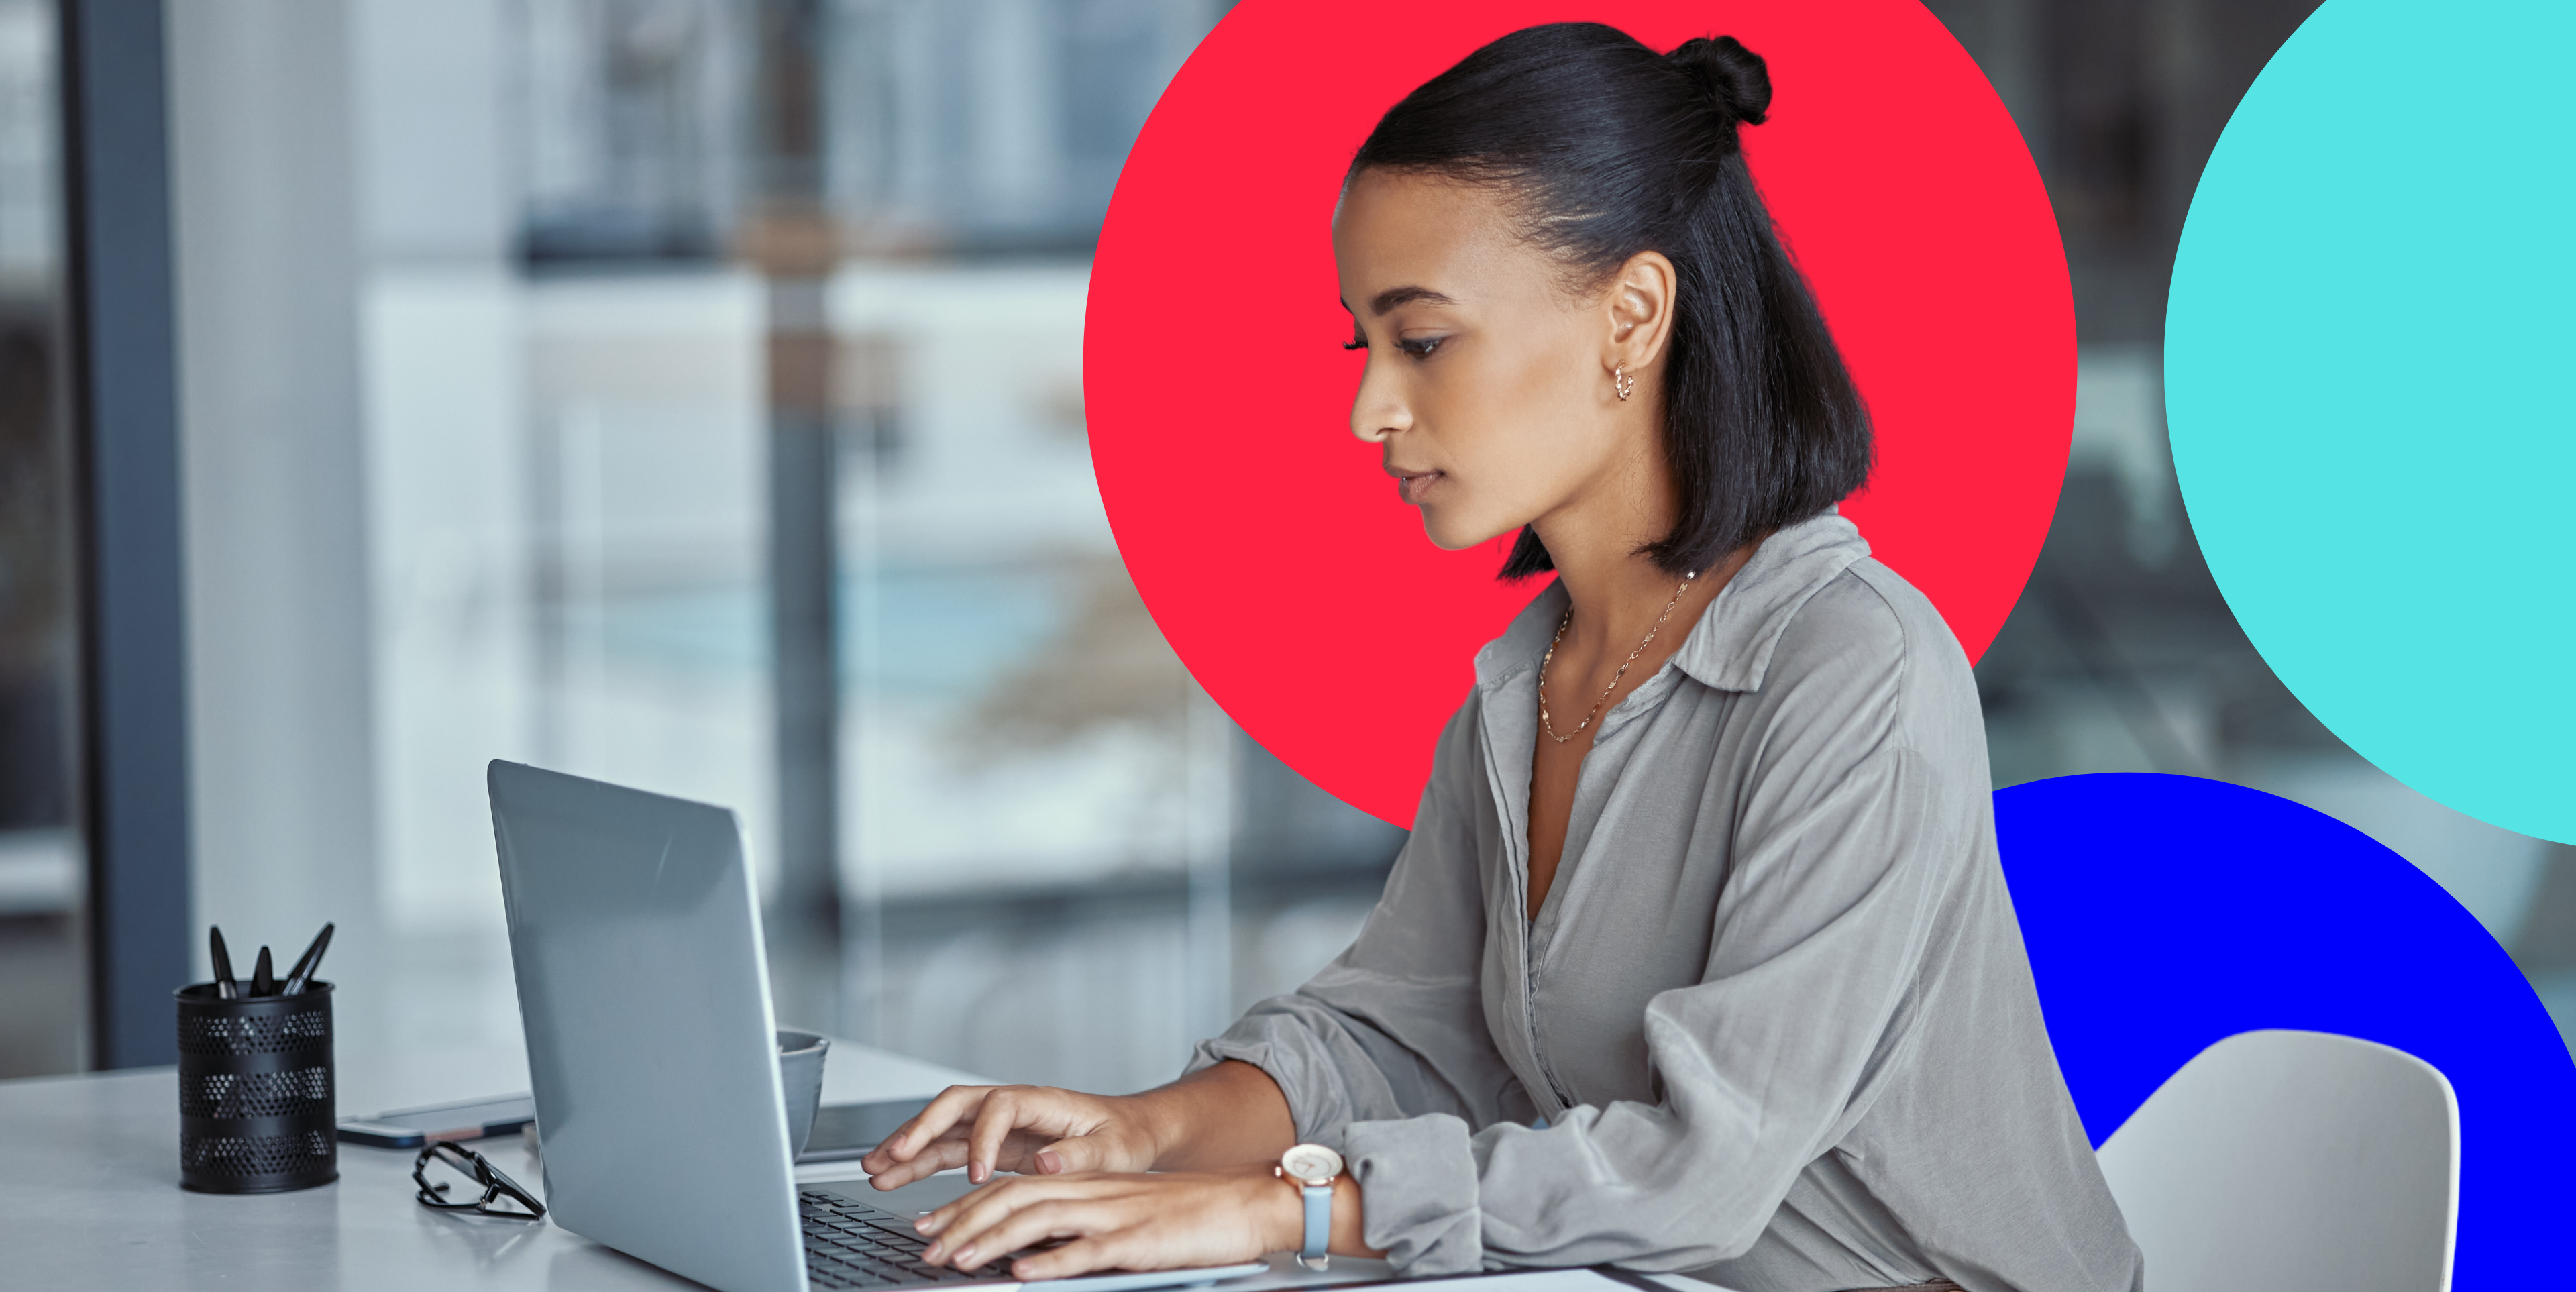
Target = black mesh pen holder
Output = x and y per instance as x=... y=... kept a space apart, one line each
x=255 y=1091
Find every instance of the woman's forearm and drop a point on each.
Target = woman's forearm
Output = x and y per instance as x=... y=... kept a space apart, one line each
x=1227 y=1115
x=1233 y=1114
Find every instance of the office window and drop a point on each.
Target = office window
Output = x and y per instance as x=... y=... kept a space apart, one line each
x=715 y=377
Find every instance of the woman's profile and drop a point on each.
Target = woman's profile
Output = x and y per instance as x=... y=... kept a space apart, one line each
x=1699 y=957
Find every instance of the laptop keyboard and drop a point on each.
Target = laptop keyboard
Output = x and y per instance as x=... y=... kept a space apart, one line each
x=849 y=1244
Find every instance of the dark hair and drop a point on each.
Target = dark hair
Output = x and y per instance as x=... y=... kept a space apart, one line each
x=1610 y=149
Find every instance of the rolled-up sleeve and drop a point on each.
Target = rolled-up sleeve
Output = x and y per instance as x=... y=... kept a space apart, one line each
x=1394 y=1026
x=1762 y=1067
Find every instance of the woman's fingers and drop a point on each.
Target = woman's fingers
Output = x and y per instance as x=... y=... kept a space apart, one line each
x=1036 y=1129
x=1113 y=1219
x=958 y=1224
x=1033 y=1223
x=944 y=1154
x=926 y=1126
x=1077 y=1153
x=951 y=1151
x=1000 y=1114
x=987 y=1119
x=1081 y=1256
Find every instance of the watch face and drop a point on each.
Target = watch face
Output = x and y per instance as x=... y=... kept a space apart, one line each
x=1311 y=1163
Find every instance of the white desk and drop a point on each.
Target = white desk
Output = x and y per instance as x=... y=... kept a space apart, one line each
x=90 y=1196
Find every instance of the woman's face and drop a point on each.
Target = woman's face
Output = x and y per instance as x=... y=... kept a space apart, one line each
x=1488 y=384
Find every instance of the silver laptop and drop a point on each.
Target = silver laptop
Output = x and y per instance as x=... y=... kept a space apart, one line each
x=662 y=1131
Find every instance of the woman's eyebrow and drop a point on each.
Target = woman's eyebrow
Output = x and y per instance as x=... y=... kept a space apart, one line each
x=1394 y=296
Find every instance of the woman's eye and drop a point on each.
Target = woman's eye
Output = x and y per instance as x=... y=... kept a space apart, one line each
x=1419 y=347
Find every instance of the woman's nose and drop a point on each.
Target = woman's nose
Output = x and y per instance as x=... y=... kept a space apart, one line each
x=1375 y=413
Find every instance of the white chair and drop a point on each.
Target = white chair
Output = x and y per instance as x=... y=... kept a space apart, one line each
x=2282 y=1161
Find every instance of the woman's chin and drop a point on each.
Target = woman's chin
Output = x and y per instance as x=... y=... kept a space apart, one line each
x=1449 y=536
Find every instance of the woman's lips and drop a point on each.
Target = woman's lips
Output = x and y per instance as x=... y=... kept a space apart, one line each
x=1412 y=488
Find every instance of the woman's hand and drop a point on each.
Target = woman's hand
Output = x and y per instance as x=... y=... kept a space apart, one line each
x=1116 y=1220
x=1229 y=1114
x=1035 y=1130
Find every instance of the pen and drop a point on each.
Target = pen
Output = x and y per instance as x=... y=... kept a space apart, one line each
x=225 y=987
x=263 y=979
x=309 y=963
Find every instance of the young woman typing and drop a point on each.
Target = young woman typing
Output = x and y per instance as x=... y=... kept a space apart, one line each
x=1699 y=956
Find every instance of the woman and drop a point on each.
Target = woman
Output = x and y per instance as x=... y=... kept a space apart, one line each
x=1699 y=956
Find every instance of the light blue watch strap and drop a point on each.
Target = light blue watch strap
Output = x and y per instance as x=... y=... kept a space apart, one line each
x=1319 y=1224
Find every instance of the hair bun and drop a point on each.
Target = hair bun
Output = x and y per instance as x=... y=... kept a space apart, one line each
x=1734 y=78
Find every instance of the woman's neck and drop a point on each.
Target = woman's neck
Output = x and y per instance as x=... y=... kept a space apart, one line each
x=1617 y=592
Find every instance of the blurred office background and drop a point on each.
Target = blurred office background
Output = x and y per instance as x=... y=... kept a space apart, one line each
x=688 y=393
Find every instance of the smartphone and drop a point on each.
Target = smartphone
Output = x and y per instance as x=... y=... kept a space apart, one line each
x=413 y=1127
x=843 y=1131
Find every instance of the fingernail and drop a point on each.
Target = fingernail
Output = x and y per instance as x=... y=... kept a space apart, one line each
x=1050 y=1163
x=975 y=1171
x=930 y=1254
x=966 y=1253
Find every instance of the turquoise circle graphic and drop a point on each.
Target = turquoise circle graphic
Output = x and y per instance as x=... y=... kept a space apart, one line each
x=2370 y=376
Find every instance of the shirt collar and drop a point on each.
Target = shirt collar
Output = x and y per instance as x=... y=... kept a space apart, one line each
x=1730 y=647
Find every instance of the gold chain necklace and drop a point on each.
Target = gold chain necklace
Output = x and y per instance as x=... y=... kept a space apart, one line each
x=1549 y=726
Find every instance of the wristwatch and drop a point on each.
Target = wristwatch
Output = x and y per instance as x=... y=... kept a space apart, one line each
x=1311 y=1167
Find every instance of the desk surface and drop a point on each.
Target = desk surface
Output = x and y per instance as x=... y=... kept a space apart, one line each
x=91 y=1196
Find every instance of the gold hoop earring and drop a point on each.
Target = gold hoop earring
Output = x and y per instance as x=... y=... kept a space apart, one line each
x=1625 y=384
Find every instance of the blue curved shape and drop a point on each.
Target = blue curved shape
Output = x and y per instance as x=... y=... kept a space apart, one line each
x=2165 y=913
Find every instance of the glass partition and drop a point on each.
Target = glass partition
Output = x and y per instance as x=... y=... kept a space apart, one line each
x=43 y=1014
x=718 y=384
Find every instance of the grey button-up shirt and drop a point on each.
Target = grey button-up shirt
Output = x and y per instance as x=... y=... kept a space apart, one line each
x=1775 y=1012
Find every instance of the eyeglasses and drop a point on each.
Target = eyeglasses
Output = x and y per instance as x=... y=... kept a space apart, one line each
x=473 y=1166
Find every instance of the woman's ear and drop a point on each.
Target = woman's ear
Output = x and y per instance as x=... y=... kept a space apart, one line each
x=1640 y=306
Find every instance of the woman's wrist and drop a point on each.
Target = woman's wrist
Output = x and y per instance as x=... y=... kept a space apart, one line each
x=1281 y=1210
x=1158 y=1119
x=1350 y=1221
x=1280 y=1215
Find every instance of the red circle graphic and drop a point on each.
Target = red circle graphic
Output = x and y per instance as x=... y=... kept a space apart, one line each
x=1279 y=564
